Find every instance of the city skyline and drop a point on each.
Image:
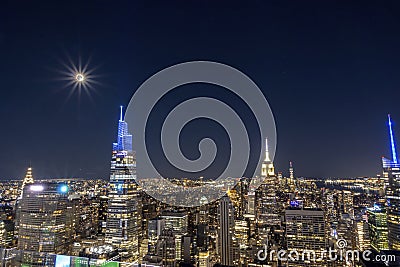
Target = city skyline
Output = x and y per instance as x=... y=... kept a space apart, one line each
x=287 y=172
x=200 y=133
x=116 y=223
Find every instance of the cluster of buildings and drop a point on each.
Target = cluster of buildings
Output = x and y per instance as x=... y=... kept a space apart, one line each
x=286 y=221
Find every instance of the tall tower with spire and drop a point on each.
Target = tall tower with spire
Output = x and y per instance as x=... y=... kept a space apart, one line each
x=391 y=174
x=123 y=226
x=291 y=171
x=27 y=180
x=267 y=166
x=124 y=138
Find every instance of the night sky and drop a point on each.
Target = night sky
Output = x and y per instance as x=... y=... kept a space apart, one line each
x=329 y=69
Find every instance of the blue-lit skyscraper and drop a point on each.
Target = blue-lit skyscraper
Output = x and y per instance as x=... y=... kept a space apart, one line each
x=391 y=174
x=123 y=225
x=124 y=138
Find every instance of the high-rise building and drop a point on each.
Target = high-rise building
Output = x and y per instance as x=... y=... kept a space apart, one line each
x=291 y=171
x=305 y=231
x=123 y=226
x=362 y=234
x=377 y=225
x=176 y=221
x=267 y=167
x=155 y=228
x=391 y=174
x=27 y=180
x=43 y=221
x=267 y=208
x=225 y=233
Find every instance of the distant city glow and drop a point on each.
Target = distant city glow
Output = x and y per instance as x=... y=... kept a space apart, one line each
x=36 y=188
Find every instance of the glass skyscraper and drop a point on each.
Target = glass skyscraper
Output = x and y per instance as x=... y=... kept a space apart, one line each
x=123 y=226
x=391 y=174
x=44 y=226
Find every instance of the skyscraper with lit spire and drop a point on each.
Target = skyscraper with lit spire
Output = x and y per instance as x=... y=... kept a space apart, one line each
x=267 y=167
x=124 y=138
x=391 y=174
x=266 y=206
x=291 y=170
x=27 y=180
x=123 y=216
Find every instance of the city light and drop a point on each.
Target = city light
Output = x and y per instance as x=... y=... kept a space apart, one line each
x=63 y=188
x=36 y=188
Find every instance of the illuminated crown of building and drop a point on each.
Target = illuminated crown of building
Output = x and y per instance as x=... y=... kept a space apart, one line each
x=393 y=163
x=124 y=138
x=267 y=167
x=27 y=180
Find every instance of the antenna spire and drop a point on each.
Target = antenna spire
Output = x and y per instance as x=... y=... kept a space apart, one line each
x=121 y=118
x=392 y=143
x=266 y=150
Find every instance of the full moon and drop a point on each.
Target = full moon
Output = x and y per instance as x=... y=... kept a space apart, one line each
x=79 y=77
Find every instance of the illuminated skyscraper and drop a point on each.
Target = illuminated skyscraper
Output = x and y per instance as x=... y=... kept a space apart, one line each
x=123 y=225
x=305 y=231
x=225 y=233
x=178 y=223
x=391 y=174
x=377 y=225
x=267 y=167
x=267 y=213
x=43 y=221
x=291 y=171
x=27 y=180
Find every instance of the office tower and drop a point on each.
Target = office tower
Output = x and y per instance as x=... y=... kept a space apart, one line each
x=27 y=180
x=166 y=248
x=267 y=208
x=204 y=259
x=348 y=207
x=291 y=171
x=43 y=222
x=123 y=226
x=267 y=166
x=3 y=235
x=203 y=211
x=377 y=225
x=155 y=228
x=362 y=235
x=102 y=215
x=391 y=173
x=251 y=203
x=305 y=231
x=177 y=221
x=225 y=233
x=241 y=240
